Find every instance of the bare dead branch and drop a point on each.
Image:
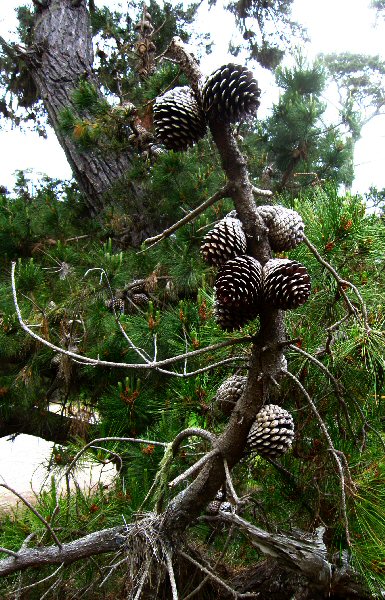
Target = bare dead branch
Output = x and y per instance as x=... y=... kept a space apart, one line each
x=170 y=569
x=331 y=449
x=230 y=482
x=99 y=542
x=261 y=192
x=222 y=193
x=342 y=282
x=307 y=554
x=85 y=360
x=35 y=512
x=193 y=469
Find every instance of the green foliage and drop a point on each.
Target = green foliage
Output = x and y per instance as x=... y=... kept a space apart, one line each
x=295 y=137
x=360 y=79
x=257 y=21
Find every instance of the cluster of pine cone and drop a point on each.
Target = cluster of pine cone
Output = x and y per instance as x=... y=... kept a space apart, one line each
x=272 y=432
x=181 y=115
x=242 y=284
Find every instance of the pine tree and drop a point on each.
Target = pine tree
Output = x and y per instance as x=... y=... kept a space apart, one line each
x=72 y=272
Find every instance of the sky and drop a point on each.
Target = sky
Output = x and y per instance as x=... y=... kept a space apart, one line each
x=333 y=26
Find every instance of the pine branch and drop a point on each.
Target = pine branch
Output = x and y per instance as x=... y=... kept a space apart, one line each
x=85 y=360
x=342 y=282
x=222 y=193
x=332 y=450
x=99 y=542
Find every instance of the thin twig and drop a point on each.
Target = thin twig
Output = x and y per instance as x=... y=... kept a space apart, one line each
x=171 y=574
x=47 y=593
x=230 y=482
x=32 y=585
x=10 y=552
x=195 y=467
x=112 y=569
x=342 y=282
x=146 y=569
x=220 y=581
x=75 y=239
x=35 y=512
x=337 y=386
x=222 y=193
x=190 y=432
x=220 y=557
x=261 y=192
x=111 y=439
x=113 y=454
x=149 y=365
x=331 y=449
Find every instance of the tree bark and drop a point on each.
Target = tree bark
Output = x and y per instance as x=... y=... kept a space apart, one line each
x=303 y=557
x=62 y=56
x=47 y=425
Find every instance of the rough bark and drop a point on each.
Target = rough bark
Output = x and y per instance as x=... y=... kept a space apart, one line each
x=272 y=579
x=100 y=542
x=45 y=424
x=61 y=57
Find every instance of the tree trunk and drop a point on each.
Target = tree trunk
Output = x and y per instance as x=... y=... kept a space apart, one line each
x=62 y=56
x=47 y=425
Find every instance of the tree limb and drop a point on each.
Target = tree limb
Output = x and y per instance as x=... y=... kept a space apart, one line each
x=45 y=424
x=99 y=542
x=222 y=193
x=306 y=554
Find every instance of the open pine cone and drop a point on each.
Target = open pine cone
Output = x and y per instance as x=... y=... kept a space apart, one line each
x=230 y=93
x=226 y=240
x=238 y=290
x=286 y=228
x=178 y=119
x=286 y=283
x=229 y=393
x=272 y=432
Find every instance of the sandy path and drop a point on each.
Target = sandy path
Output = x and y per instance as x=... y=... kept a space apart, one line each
x=22 y=467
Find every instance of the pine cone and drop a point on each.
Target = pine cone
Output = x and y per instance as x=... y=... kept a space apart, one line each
x=116 y=304
x=286 y=228
x=226 y=240
x=178 y=119
x=286 y=283
x=226 y=507
x=229 y=393
x=213 y=507
x=230 y=93
x=238 y=289
x=139 y=299
x=272 y=432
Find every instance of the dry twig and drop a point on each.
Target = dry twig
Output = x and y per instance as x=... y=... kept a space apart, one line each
x=331 y=449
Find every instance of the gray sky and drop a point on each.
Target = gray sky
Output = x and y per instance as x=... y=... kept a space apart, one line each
x=333 y=26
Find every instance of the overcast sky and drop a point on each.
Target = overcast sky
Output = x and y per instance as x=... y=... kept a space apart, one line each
x=333 y=26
